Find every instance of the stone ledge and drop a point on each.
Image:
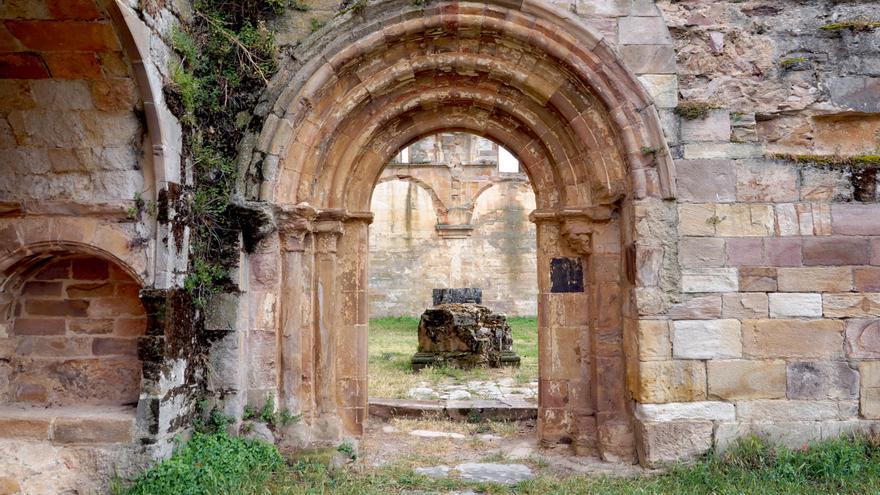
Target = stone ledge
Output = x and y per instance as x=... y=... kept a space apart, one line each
x=456 y=410
x=68 y=425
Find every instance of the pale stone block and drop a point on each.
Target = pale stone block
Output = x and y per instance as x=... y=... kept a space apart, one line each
x=701 y=252
x=687 y=411
x=663 y=88
x=721 y=151
x=714 y=127
x=806 y=219
x=870 y=389
x=745 y=306
x=790 y=434
x=861 y=305
x=706 y=180
x=671 y=381
x=744 y=220
x=649 y=59
x=766 y=181
x=707 y=339
x=815 y=279
x=787 y=410
x=643 y=31
x=742 y=380
x=793 y=338
x=795 y=305
x=727 y=435
x=863 y=339
x=698 y=308
x=696 y=219
x=709 y=280
x=654 y=342
x=674 y=441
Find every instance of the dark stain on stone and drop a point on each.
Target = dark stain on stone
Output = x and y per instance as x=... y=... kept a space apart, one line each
x=566 y=275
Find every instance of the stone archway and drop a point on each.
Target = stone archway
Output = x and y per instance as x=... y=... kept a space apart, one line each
x=531 y=78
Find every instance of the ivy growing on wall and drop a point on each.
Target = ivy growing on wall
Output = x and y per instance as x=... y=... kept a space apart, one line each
x=227 y=56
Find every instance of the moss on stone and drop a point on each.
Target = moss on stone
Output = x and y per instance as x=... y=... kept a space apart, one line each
x=836 y=160
x=854 y=25
x=694 y=110
x=787 y=63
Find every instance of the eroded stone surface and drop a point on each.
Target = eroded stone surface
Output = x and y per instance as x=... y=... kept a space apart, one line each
x=464 y=336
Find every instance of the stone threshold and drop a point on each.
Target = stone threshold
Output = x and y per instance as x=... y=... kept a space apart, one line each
x=456 y=410
x=68 y=425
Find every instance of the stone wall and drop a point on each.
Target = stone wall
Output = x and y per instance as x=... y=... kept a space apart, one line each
x=436 y=226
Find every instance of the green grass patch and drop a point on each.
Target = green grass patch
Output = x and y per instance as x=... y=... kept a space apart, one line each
x=211 y=464
x=394 y=340
x=218 y=464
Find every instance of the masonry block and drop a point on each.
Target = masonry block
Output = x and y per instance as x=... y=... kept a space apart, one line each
x=745 y=305
x=822 y=380
x=666 y=442
x=706 y=339
x=855 y=219
x=835 y=251
x=744 y=220
x=815 y=279
x=701 y=252
x=709 y=280
x=715 y=127
x=863 y=338
x=870 y=389
x=793 y=338
x=671 y=381
x=791 y=305
x=844 y=305
x=744 y=380
x=687 y=411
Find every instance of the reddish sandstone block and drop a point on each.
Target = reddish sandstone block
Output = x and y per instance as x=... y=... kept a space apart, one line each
x=745 y=251
x=128 y=290
x=73 y=65
x=867 y=279
x=91 y=326
x=64 y=35
x=25 y=428
x=39 y=326
x=92 y=430
x=42 y=289
x=757 y=279
x=855 y=219
x=22 y=66
x=110 y=346
x=68 y=307
x=835 y=251
x=131 y=327
x=117 y=273
x=115 y=306
x=875 y=251
x=90 y=290
x=30 y=392
x=863 y=339
x=81 y=10
x=90 y=269
x=53 y=271
x=783 y=252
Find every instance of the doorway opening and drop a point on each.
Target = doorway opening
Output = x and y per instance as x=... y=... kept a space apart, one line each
x=451 y=211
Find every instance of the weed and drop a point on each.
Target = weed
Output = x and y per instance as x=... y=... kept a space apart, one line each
x=695 y=110
x=348 y=449
x=316 y=24
x=856 y=25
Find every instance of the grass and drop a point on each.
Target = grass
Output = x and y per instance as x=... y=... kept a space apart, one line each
x=841 y=466
x=393 y=341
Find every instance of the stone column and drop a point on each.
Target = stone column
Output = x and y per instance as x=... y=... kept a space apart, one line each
x=351 y=343
x=327 y=321
x=296 y=391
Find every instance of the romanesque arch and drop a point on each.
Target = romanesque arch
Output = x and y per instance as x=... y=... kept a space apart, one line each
x=526 y=75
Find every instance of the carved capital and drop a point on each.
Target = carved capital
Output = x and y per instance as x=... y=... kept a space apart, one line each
x=578 y=232
x=295 y=223
x=327 y=234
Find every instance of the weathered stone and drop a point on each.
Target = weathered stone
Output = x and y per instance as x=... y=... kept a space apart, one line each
x=856 y=219
x=790 y=434
x=643 y=31
x=835 y=251
x=687 y=411
x=706 y=339
x=855 y=93
x=701 y=252
x=757 y=279
x=649 y=59
x=706 y=181
x=787 y=410
x=457 y=296
x=671 y=381
x=870 y=390
x=738 y=380
x=745 y=306
x=506 y=474
x=709 y=280
x=664 y=442
x=714 y=127
x=806 y=219
x=745 y=251
x=766 y=181
x=863 y=339
x=822 y=380
x=864 y=305
x=793 y=338
x=464 y=335
x=696 y=219
x=663 y=88
x=697 y=308
x=744 y=220
x=866 y=279
x=790 y=305
x=654 y=340
x=819 y=279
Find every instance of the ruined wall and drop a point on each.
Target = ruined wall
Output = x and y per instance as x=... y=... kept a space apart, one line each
x=449 y=217
x=765 y=318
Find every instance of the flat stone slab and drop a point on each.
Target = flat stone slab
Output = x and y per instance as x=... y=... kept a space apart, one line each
x=457 y=410
x=481 y=472
x=436 y=434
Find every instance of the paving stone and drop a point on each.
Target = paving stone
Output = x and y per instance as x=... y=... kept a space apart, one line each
x=434 y=471
x=506 y=474
x=436 y=434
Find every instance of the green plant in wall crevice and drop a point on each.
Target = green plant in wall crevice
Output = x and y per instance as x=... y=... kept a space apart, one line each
x=227 y=56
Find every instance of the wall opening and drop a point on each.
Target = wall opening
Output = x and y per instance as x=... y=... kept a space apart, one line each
x=445 y=215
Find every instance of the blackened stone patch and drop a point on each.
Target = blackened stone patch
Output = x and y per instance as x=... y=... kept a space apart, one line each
x=566 y=275
x=458 y=296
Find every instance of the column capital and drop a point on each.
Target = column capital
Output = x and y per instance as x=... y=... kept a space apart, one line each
x=295 y=222
x=576 y=222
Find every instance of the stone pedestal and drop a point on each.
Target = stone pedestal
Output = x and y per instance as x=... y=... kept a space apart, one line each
x=464 y=336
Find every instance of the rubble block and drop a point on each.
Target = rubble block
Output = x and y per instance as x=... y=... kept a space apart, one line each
x=464 y=336
x=457 y=296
